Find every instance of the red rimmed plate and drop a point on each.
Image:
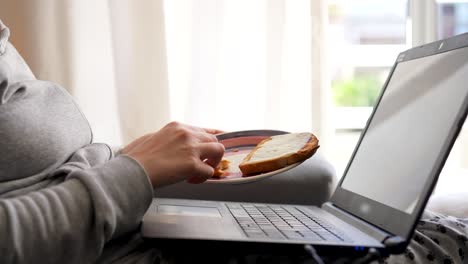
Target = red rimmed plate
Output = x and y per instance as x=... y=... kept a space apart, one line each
x=238 y=145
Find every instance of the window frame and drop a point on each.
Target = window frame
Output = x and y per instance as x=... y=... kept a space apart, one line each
x=422 y=28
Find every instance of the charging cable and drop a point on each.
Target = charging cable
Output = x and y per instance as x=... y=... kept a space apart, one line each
x=372 y=255
x=313 y=254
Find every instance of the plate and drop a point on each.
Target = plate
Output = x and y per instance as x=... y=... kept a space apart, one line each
x=238 y=145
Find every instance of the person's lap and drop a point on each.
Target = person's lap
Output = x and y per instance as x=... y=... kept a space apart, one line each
x=437 y=239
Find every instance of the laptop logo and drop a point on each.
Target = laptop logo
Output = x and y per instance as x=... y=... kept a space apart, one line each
x=365 y=208
x=441 y=45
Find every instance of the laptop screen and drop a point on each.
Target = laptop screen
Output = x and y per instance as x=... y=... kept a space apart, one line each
x=413 y=121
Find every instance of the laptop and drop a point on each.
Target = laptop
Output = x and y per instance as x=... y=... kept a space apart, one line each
x=385 y=186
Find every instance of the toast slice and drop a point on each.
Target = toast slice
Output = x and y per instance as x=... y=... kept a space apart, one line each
x=279 y=151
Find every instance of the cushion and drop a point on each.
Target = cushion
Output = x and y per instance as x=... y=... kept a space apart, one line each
x=310 y=183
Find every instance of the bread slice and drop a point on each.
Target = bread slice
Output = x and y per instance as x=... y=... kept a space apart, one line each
x=279 y=151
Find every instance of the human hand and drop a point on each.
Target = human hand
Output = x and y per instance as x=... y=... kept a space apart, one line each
x=177 y=152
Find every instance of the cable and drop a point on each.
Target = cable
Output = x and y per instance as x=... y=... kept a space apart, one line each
x=372 y=254
x=313 y=254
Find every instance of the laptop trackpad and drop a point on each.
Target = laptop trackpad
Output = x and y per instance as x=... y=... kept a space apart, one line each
x=190 y=221
x=188 y=210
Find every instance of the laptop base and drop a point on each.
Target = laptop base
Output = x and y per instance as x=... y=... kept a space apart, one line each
x=211 y=251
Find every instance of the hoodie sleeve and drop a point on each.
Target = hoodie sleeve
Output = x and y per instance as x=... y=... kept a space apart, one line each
x=72 y=221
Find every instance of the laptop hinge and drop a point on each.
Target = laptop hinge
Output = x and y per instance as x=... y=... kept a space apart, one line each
x=392 y=243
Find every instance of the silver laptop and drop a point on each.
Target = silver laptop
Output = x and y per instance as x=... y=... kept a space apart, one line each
x=386 y=184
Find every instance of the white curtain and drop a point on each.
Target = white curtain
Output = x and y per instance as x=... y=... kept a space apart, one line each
x=110 y=55
x=240 y=64
x=135 y=65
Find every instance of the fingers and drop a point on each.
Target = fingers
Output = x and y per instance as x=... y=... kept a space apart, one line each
x=196 y=180
x=200 y=134
x=206 y=130
x=211 y=153
x=205 y=137
x=203 y=171
x=213 y=131
x=210 y=156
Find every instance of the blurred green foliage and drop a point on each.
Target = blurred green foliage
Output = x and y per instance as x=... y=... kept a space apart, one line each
x=359 y=91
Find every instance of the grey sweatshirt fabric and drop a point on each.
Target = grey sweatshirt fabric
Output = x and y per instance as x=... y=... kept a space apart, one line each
x=63 y=199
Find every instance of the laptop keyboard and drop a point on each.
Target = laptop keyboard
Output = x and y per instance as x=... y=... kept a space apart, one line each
x=283 y=222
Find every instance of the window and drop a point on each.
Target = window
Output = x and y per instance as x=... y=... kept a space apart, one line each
x=365 y=37
x=452 y=19
x=258 y=54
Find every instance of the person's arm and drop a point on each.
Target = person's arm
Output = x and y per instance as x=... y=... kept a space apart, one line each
x=176 y=153
x=71 y=222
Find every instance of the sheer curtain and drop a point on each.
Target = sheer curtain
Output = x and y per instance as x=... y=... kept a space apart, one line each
x=69 y=42
x=110 y=55
x=135 y=65
x=240 y=64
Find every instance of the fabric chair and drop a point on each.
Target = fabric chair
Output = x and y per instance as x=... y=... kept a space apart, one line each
x=310 y=183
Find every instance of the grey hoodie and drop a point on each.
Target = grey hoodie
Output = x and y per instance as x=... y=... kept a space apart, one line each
x=63 y=199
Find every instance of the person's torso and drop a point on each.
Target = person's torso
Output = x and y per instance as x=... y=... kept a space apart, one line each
x=41 y=127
